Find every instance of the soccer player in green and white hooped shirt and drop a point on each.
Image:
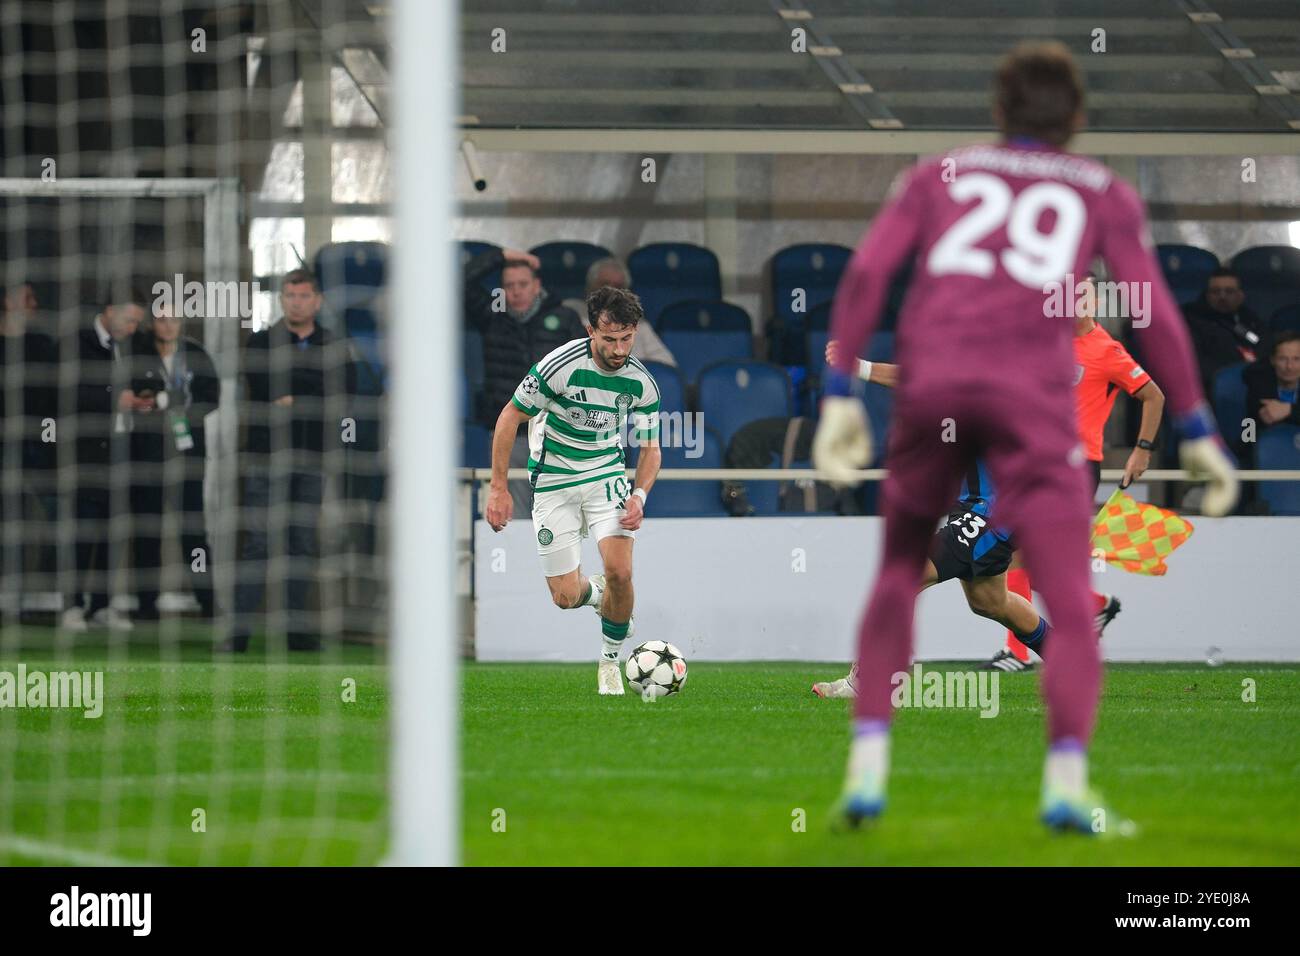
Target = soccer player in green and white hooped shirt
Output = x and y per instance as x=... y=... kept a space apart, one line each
x=577 y=400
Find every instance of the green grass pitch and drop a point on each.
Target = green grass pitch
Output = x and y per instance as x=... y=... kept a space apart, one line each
x=288 y=773
x=716 y=775
x=285 y=771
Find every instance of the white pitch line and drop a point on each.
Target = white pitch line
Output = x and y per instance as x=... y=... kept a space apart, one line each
x=56 y=853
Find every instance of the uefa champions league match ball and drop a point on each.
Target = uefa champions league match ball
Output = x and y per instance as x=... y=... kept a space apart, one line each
x=656 y=669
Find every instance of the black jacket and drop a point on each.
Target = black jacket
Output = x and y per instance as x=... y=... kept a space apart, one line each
x=29 y=373
x=1261 y=383
x=1216 y=344
x=510 y=348
x=320 y=376
x=98 y=378
x=194 y=389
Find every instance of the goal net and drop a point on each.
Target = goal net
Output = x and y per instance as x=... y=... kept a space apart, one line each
x=201 y=660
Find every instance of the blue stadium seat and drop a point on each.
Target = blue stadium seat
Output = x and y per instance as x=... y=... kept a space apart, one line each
x=1229 y=400
x=474 y=368
x=681 y=499
x=1279 y=449
x=813 y=267
x=817 y=339
x=351 y=277
x=699 y=333
x=476 y=446
x=1285 y=319
x=565 y=264
x=469 y=249
x=668 y=272
x=880 y=409
x=733 y=393
x=1270 y=276
x=765 y=496
x=1186 y=270
x=672 y=390
x=672 y=401
x=788 y=343
x=706 y=316
x=819 y=319
x=351 y=272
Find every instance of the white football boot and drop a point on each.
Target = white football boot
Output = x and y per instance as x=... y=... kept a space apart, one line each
x=113 y=619
x=846 y=688
x=609 y=674
x=609 y=678
x=74 y=620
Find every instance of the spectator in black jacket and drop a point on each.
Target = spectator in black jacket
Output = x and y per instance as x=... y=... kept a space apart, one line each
x=28 y=413
x=168 y=455
x=520 y=325
x=102 y=396
x=1224 y=330
x=299 y=378
x=1271 y=387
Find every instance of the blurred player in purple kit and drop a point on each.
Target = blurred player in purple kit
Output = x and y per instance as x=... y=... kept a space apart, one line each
x=991 y=232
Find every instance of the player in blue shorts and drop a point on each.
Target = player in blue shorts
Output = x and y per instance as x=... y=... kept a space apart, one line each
x=967 y=548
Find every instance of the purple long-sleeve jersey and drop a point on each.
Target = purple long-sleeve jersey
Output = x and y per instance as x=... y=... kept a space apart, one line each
x=993 y=232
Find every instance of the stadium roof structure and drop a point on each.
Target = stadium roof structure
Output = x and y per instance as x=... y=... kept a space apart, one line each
x=918 y=70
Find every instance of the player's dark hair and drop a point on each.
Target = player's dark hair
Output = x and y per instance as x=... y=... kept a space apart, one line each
x=1038 y=91
x=520 y=264
x=1282 y=338
x=298 y=277
x=619 y=307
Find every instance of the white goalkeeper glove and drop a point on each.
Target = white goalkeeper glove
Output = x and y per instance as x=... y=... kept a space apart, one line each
x=1203 y=455
x=1206 y=458
x=842 y=444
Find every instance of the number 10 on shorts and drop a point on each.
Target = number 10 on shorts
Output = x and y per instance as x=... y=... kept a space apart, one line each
x=618 y=489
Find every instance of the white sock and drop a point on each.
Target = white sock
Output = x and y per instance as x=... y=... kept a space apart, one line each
x=597 y=593
x=869 y=758
x=1066 y=772
x=610 y=646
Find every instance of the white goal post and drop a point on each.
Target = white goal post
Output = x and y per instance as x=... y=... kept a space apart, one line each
x=424 y=687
